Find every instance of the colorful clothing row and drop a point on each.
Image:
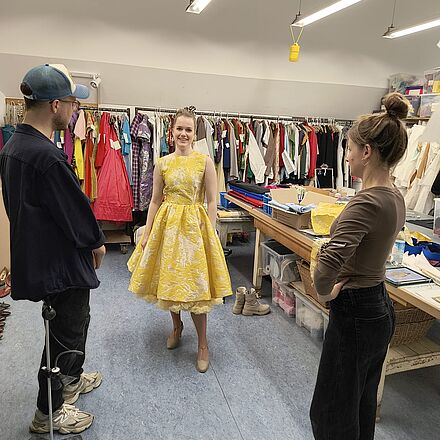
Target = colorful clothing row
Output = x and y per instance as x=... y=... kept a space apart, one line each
x=97 y=146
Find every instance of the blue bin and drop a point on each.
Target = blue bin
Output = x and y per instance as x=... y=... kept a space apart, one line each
x=226 y=203
x=266 y=208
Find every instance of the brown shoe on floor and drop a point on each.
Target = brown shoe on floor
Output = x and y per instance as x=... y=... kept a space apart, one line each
x=202 y=365
x=252 y=306
x=173 y=340
x=239 y=300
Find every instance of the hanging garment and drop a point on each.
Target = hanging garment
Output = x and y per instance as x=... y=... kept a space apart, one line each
x=114 y=202
x=201 y=145
x=146 y=166
x=256 y=159
x=164 y=144
x=209 y=130
x=78 y=159
x=276 y=176
x=233 y=172
x=80 y=126
x=259 y=131
x=340 y=160
x=425 y=198
x=313 y=142
x=287 y=154
x=269 y=158
x=411 y=196
x=282 y=144
x=125 y=138
x=90 y=177
x=135 y=147
x=68 y=145
x=156 y=141
x=218 y=144
x=408 y=164
x=226 y=146
x=182 y=266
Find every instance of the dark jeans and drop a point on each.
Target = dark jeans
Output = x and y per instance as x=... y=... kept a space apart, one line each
x=359 y=331
x=70 y=328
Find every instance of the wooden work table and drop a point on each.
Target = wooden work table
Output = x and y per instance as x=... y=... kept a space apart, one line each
x=301 y=244
x=420 y=354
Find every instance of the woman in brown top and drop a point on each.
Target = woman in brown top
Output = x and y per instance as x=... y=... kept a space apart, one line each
x=350 y=274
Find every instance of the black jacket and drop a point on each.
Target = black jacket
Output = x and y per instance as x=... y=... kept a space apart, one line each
x=52 y=227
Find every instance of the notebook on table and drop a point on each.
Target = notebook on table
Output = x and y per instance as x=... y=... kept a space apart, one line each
x=403 y=276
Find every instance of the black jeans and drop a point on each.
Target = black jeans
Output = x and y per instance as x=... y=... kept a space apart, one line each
x=345 y=398
x=68 y=331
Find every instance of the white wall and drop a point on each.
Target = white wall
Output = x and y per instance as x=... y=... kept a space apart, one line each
x=233 y=57
x=142 y=86
x=245 y=38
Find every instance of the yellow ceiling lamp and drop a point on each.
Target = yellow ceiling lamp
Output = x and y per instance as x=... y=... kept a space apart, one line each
x=322 y=13
x=295 y=48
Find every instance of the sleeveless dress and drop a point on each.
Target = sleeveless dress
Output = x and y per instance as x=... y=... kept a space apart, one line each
x=182 y=266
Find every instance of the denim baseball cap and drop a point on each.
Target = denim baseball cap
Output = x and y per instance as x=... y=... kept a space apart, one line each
x=53 y=81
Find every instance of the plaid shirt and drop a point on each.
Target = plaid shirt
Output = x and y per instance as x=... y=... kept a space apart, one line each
x=135 y=149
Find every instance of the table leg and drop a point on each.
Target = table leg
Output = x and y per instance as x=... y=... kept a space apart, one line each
x=381 y=386
x=258 y=264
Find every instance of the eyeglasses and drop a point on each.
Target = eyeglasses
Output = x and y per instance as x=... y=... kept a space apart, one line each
x=75 y=104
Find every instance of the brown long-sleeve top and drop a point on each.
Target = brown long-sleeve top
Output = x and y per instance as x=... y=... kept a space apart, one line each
x=361 y=240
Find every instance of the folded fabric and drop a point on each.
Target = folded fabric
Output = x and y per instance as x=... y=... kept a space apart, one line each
x=246 y=199
x=249 y=187
x=246 y=193
x=293 y=207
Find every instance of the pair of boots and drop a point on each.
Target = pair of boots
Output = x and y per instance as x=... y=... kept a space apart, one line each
x=246 y=303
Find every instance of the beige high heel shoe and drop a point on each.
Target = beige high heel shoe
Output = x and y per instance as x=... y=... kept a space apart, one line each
x=173 y=340
x=202 y=365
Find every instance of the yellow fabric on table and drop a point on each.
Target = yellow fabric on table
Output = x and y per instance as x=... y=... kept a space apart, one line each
x=233 y=214
x=324 y=215
x=182 y=266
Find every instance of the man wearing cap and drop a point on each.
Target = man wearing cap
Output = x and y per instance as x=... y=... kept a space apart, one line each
x=56 y=243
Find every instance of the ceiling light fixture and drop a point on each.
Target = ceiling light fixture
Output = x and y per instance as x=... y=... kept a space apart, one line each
x=329 y=10
x=197 y=6
x=391 y=27
x=391 y=33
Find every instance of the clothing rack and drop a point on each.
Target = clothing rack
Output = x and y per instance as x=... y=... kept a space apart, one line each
x=107 y=109
x=313 y=120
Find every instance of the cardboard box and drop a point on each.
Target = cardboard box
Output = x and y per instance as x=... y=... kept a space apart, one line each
x=290 y=195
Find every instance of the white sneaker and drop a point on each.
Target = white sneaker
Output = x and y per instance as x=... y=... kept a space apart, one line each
x=66 y=420
x=87 y=382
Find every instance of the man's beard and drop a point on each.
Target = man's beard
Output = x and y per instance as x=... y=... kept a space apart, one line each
x=59 y=123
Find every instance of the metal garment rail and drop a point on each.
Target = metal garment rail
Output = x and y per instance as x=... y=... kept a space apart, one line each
x=108 y=109
x=251 y=116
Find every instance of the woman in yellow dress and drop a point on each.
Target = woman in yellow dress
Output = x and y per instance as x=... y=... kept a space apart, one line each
x=179 y=264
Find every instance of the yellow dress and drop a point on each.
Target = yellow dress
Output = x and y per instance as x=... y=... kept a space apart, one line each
x=182 y=266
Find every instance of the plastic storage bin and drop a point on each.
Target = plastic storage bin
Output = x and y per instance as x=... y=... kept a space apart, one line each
x=279 y=262
x=309 y=316
x=226 y=203
x=266 y=208
x=284 y=296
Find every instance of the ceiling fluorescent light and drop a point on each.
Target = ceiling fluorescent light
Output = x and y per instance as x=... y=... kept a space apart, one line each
x=412 y=29
x=197 y=6
x=329 y=10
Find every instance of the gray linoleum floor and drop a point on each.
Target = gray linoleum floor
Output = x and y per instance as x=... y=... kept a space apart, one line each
x=259 y=385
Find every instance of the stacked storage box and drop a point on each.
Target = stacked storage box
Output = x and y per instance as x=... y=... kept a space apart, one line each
x=280 y=263
x=309 y=316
